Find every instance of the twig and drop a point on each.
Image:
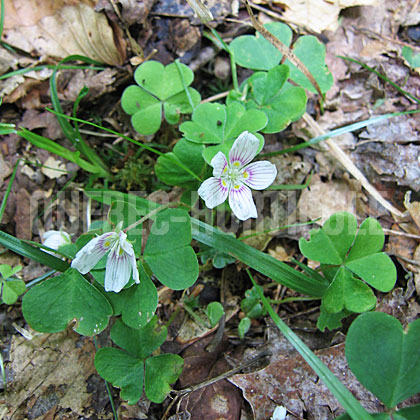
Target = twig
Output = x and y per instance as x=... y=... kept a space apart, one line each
x=395 y=232
x=342 y=157
x=223 y=375
x=215 y=97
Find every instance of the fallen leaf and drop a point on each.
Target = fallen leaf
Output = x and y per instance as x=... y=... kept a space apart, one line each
x=220 y=400
x=53 y=168
x=318 y=15
x=322 y=199
x=62 y=28
x=49 y=370
x=413 y=208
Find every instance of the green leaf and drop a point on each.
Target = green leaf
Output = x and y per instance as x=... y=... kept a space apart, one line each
x=239 y=119
x=140 y=343
x=311 y=53
x=281 y=102
x=348 y=292
x=320 y=247
x=189 y=154
x=383 y=357
x=329 y=320
x=216 y=123
x=255 y=52
x=331 y=245
x=51 y=305
x=378 y=270
x=11 y=291
x=168 y=251
x=207 y=124
x=412 y=59
x=243 y=327
x=7 y=271
x=161 y=371
x=138 y=303
x=148 y=120
x=180 y=104
x=214 y=312
x=122 y=370
x=369 y=240
x=161 y=81
x=159 y=88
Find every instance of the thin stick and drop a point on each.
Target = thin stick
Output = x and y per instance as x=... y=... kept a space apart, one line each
x=395 y=232
x=342 y=157
x=223 y=375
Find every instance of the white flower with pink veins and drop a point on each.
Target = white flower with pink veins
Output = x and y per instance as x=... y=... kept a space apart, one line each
x=233 y=178
x=120 y=263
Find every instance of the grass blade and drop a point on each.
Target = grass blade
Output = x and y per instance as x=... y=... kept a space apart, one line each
x=22 y=248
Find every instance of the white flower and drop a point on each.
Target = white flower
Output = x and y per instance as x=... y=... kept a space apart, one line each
x=232 y=178
x=54 y=239
x=279 y=413
x=120 y=263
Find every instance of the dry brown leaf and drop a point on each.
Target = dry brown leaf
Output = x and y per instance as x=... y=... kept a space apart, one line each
x=289 y=381
x=53 y=168
x=413 y=208
x=51 y=368
x=62 y=28
x=318 y=15
x=323 y=199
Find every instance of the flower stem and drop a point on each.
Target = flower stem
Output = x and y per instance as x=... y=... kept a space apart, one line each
x=151 y=214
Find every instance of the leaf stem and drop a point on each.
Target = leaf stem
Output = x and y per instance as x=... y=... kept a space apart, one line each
x=187 y=92
x=9 y=185
x=151 y=214
x=111 y=400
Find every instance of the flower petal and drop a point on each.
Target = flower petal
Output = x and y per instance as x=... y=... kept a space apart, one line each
x=117 y=270
x=129 y=250
x=213 y=191
x=241 y=202
x=219 y=164
x=93 y=251
x=259 y=175
x=243 y=150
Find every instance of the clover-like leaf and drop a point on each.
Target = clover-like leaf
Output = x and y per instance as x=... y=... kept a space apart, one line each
x=216 y=123
x=384 y=357
x=255 y=52
x=281 y=102
x=331 y=320
x=187 y=153
x=412 y=59
x=139 y=342
x=11 y=289
x=214 y=312
x=311 y=53
x=343 y=254
x=168 y=250
x=122 y=370
x=137 y=304
x=69 y=297
x=347 y=292
x=161 y=371
x=159 y=89
x=132 y=368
